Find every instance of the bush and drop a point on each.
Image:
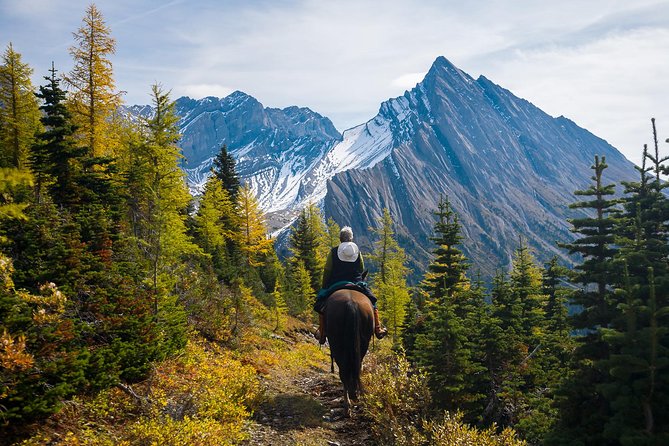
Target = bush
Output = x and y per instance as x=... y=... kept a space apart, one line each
x=398 y=402
x=451 y=431
x=201 y=397
x=396 y=399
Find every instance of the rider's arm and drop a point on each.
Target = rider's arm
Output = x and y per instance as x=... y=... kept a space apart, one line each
x=327 y=271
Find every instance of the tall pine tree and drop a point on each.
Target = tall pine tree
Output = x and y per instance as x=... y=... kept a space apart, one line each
x=19 y=115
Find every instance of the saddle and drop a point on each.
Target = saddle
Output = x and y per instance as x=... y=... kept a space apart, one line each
x=324 y=293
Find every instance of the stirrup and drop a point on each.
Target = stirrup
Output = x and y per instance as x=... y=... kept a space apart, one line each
x=380 y=333
x=321 y=339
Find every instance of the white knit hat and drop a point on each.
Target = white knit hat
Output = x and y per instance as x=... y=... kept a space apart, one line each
x=348 y=252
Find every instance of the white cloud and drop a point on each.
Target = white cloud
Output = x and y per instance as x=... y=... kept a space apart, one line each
x=198 y=91
x=611 y=86
x=600 y=63
x=409 y=80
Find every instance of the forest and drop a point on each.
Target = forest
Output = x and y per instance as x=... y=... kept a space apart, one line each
x=134 y=313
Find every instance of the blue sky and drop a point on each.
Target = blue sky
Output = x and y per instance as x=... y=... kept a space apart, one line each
x=602 y=63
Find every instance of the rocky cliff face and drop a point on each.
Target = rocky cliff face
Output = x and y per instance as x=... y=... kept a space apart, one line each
x=508 y=168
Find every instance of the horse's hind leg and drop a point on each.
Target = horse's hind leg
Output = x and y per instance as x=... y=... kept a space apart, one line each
x=347 y=404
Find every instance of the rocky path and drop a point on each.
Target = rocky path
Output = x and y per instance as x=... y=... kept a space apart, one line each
x=305 y=408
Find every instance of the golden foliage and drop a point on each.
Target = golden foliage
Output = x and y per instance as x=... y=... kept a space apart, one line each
x=253 y=239
x=94 y=98
x=397 y=400
x=202 y=397
x=13 y=354
x=451 y=431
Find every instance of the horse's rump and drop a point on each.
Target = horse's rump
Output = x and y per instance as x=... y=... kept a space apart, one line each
x=349 y=325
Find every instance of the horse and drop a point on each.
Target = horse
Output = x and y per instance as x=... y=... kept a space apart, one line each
x=349 y=322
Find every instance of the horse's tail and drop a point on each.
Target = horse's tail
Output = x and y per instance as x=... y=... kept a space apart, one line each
x=355 y=357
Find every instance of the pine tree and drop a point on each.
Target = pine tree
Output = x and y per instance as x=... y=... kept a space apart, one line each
x=583 y=409
x=214 y=225
x=443 y=349
x=94 y=99
x=389 y=282
x=224 y=170
x=19 y=115
x=308 y=243
x=54 y=158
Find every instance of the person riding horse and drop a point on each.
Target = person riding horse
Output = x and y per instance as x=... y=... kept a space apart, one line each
x=344 y=265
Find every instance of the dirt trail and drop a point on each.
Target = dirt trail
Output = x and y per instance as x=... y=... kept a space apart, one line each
x=305 y=408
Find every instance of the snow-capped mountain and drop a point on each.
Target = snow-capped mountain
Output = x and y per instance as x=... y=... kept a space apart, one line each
x=508 y=168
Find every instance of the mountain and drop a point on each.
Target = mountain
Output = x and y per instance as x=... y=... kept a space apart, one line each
x=508 y=168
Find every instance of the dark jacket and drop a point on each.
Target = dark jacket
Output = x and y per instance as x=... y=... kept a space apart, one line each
x=337 y=270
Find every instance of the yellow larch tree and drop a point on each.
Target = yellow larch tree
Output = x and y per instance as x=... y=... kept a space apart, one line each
x=253 y=240
x=19 y=113
x=94 y=101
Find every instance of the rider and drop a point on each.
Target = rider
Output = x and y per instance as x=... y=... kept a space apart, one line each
x=345 y=263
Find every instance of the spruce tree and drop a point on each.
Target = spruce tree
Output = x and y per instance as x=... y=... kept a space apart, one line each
x=54 y=158
x=308 y=243
x=583 y=408
x=224 y=170
x=636 y=336
x=442 y=348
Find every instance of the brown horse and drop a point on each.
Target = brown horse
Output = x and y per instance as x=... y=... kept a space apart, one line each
x=349 y=322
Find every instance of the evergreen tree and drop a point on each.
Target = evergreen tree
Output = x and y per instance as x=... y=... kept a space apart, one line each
x=54 y=157
x=446 y=273
x=94 y=99
x=279 y=307
x=214 y=226
x=558 y=298
x=224 y=170
x=308 y=244
x=443 y=349
x=19 y=115
x=41 y=365
x=333 y=230
x=636 y=336
x=10 y=180
x=389 y=282
x=583 y=408
x=302 y=293
x=526 y=285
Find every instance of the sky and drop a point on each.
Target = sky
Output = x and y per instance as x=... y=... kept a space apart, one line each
x=602 y=63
